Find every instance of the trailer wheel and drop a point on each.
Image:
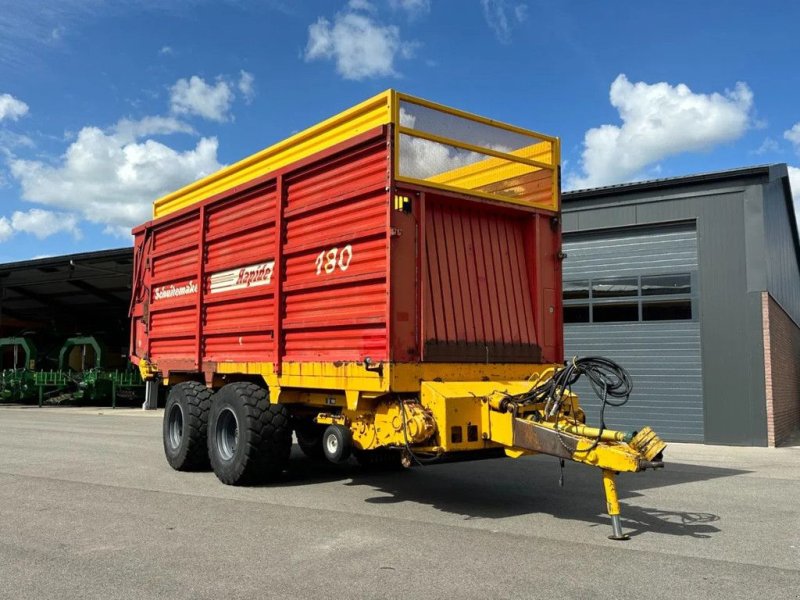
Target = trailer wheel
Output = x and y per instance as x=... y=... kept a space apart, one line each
x=309 y=438
x=249 y=439
x=337 y=443
x=185 y=426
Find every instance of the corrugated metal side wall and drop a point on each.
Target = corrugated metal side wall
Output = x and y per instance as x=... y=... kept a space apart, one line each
x=632 y=252
x=336 y=259
x=173 y=308
x=478 y=290
x=783 y=271
x=663 y=357
x=315 y=238
x=237 y=317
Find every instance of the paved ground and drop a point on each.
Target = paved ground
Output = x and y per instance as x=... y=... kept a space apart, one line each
x=90 y=509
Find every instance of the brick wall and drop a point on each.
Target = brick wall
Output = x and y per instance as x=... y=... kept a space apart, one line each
x=782 y=371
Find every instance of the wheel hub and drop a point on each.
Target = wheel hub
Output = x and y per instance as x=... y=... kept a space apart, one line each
x=227 y=434
x=331 y=444
x=175 y=426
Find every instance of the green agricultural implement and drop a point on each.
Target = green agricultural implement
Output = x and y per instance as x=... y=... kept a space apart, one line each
x=18 y=382
x=95 y=383
x=79 y=379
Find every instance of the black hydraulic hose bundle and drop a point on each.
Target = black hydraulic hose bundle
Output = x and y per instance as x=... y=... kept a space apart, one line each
x=610 y=382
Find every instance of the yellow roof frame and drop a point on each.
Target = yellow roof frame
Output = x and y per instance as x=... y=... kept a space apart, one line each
x=381 y=109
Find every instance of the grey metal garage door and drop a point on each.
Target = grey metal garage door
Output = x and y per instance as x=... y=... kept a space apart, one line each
x=632 y=296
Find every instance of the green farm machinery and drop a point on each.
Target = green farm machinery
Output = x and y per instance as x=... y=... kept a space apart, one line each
x=82 y=376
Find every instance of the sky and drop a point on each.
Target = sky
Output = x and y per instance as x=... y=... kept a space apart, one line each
x=105 y=105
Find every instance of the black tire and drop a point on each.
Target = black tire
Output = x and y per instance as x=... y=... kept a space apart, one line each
x=337 y=443
x=381 y=459
x=249 y=439
x=309 y=438
x=186 y=425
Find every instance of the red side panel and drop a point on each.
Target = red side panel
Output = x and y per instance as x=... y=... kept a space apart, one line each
x=335 y=250
x=291 y=267
x=239 y=293
x=174 y=284
x=486 y=278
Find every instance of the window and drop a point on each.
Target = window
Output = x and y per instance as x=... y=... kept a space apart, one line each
x=665 y=297
x=667 y=310
x=576 y=314
x=610 y=313
x=576 y=290
x=615 y=287
x=662 y=285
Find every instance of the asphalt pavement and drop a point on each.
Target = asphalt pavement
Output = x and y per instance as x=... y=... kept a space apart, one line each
x=89 y=508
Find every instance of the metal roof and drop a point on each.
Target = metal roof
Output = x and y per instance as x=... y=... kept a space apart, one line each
x=85 y=291
x=712 y=177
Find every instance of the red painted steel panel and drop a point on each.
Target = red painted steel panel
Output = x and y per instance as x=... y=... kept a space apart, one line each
x=331 y=282
x=173 y=235
x=239 y=315
x=478 y=290
x=180 y=264
x=244 y=347
x=240 y=249
x=346 y=343
x=243 y=211
x=239 y=304
x=335 y=266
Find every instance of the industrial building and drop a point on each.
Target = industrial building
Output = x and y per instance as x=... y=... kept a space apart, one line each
x=692 y=283
x=64 y=331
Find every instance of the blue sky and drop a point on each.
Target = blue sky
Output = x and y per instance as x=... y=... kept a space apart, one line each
x=105 y=105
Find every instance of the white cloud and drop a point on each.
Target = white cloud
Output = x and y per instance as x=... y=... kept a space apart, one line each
x=166 y=51
x=503 y=16
x=245 y=86
x=659 y=120
x=40 y=223
x=360 y=46
x=194 y=96
x=12 y=108
x=112 y=177
x=10 y=140
x=794 y=182
x=44 y=223
x=793 y=135
x=768 y=146
x=6 y=230
x=129 y=130
x=364 y=5
x=414 y=8
x=422 y=158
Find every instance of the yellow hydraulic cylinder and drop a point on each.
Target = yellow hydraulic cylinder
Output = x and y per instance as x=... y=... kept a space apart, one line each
x=605 y=435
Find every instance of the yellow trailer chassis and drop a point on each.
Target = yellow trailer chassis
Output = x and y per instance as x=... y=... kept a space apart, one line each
x=436 y=417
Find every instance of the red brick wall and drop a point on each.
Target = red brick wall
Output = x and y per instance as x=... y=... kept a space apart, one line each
x=782 y=371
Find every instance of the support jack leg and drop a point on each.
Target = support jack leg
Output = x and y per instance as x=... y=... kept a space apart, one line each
x=612 y=502
x=150 y=394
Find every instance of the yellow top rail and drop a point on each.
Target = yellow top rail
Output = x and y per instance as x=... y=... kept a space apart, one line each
x=435 y=145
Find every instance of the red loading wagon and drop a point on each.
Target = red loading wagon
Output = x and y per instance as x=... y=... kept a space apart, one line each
x=386 y=282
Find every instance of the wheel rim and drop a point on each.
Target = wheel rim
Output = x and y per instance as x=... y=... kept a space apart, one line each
x=175 y=426
x=227 y=434
x=331 y=444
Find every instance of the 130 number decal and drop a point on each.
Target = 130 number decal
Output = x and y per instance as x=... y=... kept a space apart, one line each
x=328 y=260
